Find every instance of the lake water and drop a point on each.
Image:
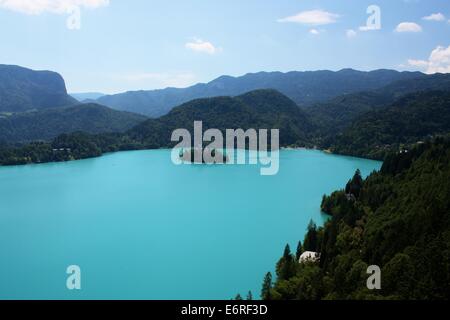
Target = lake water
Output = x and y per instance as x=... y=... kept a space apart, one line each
x=140 y=227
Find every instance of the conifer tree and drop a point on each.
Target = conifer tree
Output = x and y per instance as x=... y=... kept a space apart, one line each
x=267 y=287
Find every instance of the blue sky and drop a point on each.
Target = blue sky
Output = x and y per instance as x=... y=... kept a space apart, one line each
x=146 y=44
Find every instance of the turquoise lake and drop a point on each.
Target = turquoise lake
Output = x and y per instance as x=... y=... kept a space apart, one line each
x=140 y=227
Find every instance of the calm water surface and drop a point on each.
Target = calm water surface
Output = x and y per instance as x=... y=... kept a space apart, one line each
x=142 y=228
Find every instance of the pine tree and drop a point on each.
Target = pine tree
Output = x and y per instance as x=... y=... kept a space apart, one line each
x=249 y=296
x=285 y=267
x=267 y=287
x=310 y=243
x=355 y=185
x=287 y=252
x=299 y=250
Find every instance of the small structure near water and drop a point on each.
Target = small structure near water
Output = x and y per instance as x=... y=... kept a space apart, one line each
x=309 y=256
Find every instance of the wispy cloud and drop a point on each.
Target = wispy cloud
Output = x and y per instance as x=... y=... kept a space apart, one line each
x=312 y=18
x=199 y=45
x=408 y=27
x=36 y=7
x=157 y=80
x=435 y=17
x=418 y=63
x=438 y=62
x=351 y=33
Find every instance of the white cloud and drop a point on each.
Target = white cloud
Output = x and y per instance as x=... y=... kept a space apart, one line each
x=438 y=62
x=314 y=32
x=36 y=7
x=158 y=80
x=199 y=45
x=418 y=63
x=312 y=18
x=408 y=27
x=435 y=17
x=351 y=33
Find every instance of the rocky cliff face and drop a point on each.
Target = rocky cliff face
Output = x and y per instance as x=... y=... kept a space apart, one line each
x=23 y=89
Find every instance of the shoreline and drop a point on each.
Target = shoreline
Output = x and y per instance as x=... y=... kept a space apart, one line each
x=328 y=152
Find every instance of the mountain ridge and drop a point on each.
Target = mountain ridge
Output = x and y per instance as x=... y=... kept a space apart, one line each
x=338 y=113
x=256 y=109
x=46 y=124
x=303 y=87
x=411 y=118
x=23 y=89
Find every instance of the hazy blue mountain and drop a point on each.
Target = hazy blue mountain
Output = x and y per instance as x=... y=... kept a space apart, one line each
x=304 y=88
x=87 y=96
x=338 y=113
x=23 y=89
x=48 y=123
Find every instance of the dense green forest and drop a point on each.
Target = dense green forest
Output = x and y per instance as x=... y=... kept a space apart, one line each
x=66 y=147
x=45 y=125
x=408 y=120
x=374 y=134
x=256 y=109
x=337 y=114
x=397 y=219
x=251 y=110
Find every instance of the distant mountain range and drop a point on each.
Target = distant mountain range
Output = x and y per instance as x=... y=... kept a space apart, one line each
x=368 y=124
x=87 y=96
x=391 y=109
x=304 y=88
x=49 y=123
x=23 y=89
x=35 y=106
x=338 y=113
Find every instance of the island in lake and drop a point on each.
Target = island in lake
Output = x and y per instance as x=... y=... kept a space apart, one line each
x=204 y=156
